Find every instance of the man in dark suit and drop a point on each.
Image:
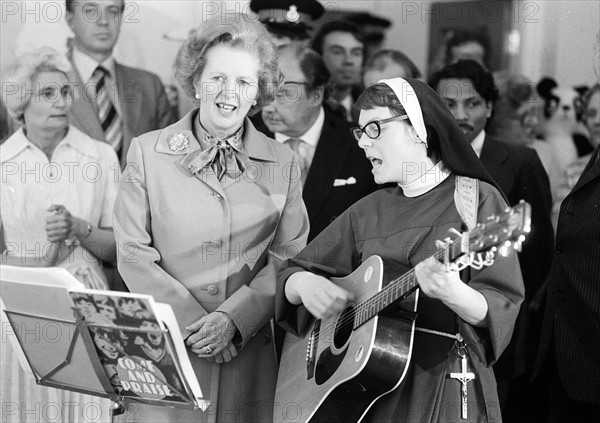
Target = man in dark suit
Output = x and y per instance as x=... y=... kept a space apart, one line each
x=336 y=172
x=469 y=91
x=569 y=350
x=113 y=102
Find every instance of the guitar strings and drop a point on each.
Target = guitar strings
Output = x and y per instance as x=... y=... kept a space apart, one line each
x=454 y=248
x=367 y=304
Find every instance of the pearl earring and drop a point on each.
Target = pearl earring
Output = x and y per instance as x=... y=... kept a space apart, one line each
x=197 y=96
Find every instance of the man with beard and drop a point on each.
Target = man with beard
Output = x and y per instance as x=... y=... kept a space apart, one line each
x=470 y=92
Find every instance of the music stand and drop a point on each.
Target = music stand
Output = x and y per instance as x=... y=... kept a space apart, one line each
x=70 y=360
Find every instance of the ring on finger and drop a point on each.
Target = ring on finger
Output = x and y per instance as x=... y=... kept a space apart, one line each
x=208 y=349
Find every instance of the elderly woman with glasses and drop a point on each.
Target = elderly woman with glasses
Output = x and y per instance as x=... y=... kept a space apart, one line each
x=462 y=326
x=59 y=185
x=209 y=209
x=57 y=194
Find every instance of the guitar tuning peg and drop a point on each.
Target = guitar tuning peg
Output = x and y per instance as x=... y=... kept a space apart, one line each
x=521 y=239
x=490 y=256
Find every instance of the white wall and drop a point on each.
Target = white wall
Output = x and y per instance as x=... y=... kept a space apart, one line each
x=557 y=35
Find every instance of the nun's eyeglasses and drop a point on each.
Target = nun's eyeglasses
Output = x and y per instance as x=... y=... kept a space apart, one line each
x=373 y=129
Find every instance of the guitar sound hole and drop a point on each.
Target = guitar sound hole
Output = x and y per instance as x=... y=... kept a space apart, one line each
x=343 y=328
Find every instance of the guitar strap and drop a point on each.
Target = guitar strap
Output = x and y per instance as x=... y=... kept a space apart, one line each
x=466 y=198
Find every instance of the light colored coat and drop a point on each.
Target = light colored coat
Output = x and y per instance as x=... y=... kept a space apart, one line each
x=202 y=245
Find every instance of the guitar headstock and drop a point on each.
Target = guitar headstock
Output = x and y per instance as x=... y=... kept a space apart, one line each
x=503 y=231
x=498 y=234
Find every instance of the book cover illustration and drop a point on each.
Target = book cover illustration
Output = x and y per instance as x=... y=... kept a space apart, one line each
x=132 y=346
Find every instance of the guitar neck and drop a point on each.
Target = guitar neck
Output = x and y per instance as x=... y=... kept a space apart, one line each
x=398 y=288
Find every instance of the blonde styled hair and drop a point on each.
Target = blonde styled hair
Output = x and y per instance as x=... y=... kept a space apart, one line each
x=18 y=78
x=234 y=30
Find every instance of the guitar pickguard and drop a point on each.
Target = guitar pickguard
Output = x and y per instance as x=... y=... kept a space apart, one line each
x=327 y=365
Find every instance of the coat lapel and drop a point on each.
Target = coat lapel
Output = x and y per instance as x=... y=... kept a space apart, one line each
x=165 y=144
x=328 y=160
x=84 y=114
x=130 y=103
x=591 y=172
x=493 y=156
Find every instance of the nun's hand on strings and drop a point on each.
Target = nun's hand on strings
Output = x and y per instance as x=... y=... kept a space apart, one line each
x=436 y=281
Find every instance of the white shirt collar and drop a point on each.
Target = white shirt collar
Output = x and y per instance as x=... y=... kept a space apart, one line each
x=86 y=66
x=477 y=142
x=75 y=139
x=346 y=102
x=311 y=136
x=429 y=180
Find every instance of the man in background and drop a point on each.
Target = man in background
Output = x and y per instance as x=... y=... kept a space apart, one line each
x=386 y=64
x=468 y=45
x=470 y=92
x=342 y=46
x=334 y=169
x=288 y=20
x=115 y=102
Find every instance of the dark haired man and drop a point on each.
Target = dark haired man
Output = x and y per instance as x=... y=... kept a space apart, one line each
x=470 y=92
x=342 y=45
x=115 y=102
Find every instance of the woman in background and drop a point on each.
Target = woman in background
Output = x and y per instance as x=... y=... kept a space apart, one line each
x=57 y=196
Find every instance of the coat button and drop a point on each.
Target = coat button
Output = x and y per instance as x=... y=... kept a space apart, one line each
x=218 y=196
x=216 y=243
x=266 y=339
x=213 y=289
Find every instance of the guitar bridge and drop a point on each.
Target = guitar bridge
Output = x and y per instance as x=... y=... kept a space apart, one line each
x=313 y=343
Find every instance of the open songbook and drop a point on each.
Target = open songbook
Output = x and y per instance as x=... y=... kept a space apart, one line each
x=111 y=344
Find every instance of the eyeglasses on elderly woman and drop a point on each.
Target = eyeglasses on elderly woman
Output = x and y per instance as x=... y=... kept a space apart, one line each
x=373 y=129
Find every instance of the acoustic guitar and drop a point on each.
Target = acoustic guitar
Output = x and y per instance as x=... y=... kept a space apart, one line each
x=337 y=368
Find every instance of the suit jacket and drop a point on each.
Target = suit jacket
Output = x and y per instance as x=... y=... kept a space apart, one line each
x=521 y=176
x=572 y=317
x=337 y=156
x=204 y=245
x=142 y=101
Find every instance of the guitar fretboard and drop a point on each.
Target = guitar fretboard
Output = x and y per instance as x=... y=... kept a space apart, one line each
x=399 y=288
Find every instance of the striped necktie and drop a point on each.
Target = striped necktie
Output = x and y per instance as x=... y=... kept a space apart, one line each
x=300 y=147
x=109 y=118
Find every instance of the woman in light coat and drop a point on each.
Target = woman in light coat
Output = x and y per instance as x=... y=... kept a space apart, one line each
x=208 y=209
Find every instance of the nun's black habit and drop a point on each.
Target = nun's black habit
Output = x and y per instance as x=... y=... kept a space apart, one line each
x=404 y=230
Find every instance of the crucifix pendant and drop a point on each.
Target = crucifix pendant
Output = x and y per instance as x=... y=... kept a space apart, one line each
x=463 y=377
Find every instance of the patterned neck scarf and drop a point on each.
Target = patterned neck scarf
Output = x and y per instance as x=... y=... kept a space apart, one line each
x=224 y=156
